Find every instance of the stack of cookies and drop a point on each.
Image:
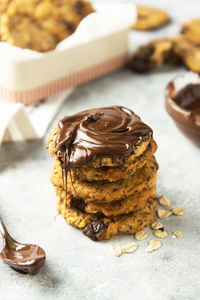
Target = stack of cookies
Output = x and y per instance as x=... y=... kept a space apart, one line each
x=105 y=171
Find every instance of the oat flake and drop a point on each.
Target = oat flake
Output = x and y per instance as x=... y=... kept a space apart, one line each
x=178 y=211
x=164 y=201
x=130 y=248
x=156 y=225
x=161 y=234
x=117 y=250
x=153 y=246
x=164 y=213
x=141 y=235
x=177 y=234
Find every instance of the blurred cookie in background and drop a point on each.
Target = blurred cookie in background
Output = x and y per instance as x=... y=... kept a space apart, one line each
x=150 y=18
x=40 y=24
x=191 y=31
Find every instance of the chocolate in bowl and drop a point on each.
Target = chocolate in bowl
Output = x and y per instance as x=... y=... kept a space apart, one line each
x=182 y=102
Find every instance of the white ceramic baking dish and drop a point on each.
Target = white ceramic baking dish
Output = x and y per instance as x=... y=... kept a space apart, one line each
x=98 y=46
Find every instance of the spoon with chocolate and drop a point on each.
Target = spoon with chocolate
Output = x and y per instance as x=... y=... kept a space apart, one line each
x=23 y=258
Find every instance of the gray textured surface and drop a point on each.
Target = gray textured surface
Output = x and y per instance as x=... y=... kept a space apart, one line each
x=76 y=267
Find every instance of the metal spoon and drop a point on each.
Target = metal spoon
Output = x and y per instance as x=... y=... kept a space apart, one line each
x=23 y=258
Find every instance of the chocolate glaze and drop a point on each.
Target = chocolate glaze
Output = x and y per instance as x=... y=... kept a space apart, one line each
x=189 y=98
x=103 y=132
x=113 y=131
x=23 y=258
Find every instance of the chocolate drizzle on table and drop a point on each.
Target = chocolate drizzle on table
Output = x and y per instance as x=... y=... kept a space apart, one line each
x=23 y=258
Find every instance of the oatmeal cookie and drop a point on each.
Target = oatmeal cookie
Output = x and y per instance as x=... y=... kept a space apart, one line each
x=150 y=18
x=112 y=174
x=137 y=201
x=103 y=191
x=105 y=161
x=98 y=227
x=191 y=31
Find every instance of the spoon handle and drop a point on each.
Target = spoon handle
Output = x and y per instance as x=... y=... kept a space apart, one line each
x=4 y=232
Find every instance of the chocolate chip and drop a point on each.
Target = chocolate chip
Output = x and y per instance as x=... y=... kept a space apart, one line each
x=69 y=25
x=95 y=230
x=79 y=7
x=78 y=203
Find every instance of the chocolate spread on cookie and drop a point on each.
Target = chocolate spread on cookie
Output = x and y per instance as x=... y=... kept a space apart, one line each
x=103 y=132
x=189 y=98
x=113 y=131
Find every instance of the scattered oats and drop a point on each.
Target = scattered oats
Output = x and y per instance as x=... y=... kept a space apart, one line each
x=178 y=211
x=141 y=235
x=164 y=201
x=157 y=225
x=177 y=234
x=164 y=213
x=159 y=233
x=153 y=245
x=130 y=248
x=117 y=250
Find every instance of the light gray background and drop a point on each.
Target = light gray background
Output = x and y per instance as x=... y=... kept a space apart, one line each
x=76 y=267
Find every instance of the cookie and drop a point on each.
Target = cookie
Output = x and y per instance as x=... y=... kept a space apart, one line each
x=189 y=54
x=150 y=18
x=22 y=31
x=191 y=31
x=61 y=17
x=98 y=227
x=151 y=56
x=115 y=173
x=106 y=161
x=135 y=202
x=3 y=8
x=103 y=191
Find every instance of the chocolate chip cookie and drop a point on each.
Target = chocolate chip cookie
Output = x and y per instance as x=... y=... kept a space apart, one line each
x=191 y=31
x=150 y=18
x=98 y=227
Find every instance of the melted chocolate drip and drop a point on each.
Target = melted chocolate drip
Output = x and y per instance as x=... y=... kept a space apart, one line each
x=95 y=230
x=189 y=98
